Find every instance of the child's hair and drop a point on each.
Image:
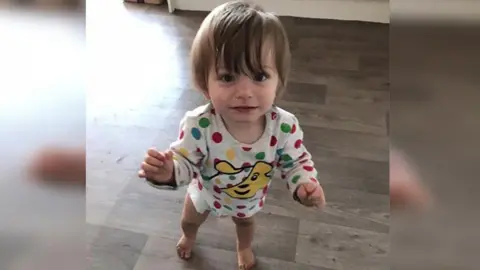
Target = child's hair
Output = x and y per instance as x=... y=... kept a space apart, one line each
x=237 y=36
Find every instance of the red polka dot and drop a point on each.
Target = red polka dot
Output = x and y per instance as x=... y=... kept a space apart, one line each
x=304 y=161
x=229 y=185
x=246 y=164
x=215 y=161
x=265 y=189
x=181 y=135
x=260 y=203
x=308 y=168
x=240 y=215
x=298 y=143
x=212 y=111
x=195 y=175
x=294 y=128
x=217 y=189
x=273 y=141
x=274 y=115
x=314 y=180
x=200 y=185
x=217 y=205
x=241 y=207
x=283 y=176
x=303 y=155
x=217 y=137
x=246 y=148
x=199 y=150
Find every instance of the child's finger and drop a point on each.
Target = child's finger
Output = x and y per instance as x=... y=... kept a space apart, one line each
x=169 y=155
x=154 y=161
x=156 y=154
x=141 y=174
x=149 y=168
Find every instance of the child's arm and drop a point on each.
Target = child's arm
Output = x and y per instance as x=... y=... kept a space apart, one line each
x=297 y=167
x=188 y=150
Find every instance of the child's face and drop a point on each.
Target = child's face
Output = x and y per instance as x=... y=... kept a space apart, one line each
x=239 y=98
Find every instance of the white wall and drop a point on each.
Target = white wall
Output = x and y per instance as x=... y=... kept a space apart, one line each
x=354 y=10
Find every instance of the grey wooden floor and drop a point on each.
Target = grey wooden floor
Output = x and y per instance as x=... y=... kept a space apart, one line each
x=139 y=90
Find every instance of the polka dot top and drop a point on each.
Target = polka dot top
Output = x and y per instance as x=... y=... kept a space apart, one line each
x=233 y=177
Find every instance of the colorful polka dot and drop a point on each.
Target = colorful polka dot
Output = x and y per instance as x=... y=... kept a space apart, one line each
x=183 y=152
x=294 y=128
x=304 y=154
x=231 y=177
x=212 y=111
x=286 y=157
x=199 y=150
x=246 y=149
x=217 y=137
x=274 y=115
x=260 y=155
x=283 y=176
x=228 y=201
x=260 y=203
x=218 y=182
x=200 y=185
x=280 y=151
x=216 y=160
x=195 y=175
x=308 y=168
x=273 y=141
x=196 y=133
x=241 y=207
x=182 y=134
x=241 y=215
x=217 y=205
x=217 y=189
x=265 y=189
x=314 y=180
x=246 y=164
x=285 y=127
x=228 y=207
x=175 y=157
x=205 y=178
x=295 y=179
x=298 y=143
x=204 y=122
x=230 y=154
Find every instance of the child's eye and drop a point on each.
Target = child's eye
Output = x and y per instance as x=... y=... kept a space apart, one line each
x=227 y=78
x=260 y=77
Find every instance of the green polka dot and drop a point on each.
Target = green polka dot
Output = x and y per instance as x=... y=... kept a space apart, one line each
x=228 y=207
x=247 y=169
x=206 y=178
x=295 y=179
x=232 y=177
x=204 y=122
x=288 y=165
x=260 y=155
x=285 y=128
x=286 y=157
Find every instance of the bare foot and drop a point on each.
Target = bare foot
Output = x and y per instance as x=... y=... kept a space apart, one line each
x=246 y=259
x=184 y=247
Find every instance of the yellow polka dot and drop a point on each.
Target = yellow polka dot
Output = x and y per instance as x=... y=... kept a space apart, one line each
x=228 y=200
x=183 y=152
x=230 y=154
x=175 y=158
x=218 y=182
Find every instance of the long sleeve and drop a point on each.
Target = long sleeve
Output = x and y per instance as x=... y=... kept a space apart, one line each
x=295 y=162
x=189 y=150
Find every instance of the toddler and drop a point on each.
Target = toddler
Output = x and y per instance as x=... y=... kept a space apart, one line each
x=227 y=150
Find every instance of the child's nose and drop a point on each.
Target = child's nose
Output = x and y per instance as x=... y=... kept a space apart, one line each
x=244 y=87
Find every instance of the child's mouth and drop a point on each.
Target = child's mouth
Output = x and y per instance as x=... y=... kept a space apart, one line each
x=244 y=109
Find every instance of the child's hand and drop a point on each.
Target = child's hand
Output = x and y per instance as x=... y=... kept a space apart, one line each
x=158 y=167
x=311 y=195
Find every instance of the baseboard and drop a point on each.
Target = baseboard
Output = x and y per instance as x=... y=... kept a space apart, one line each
x=351 y=10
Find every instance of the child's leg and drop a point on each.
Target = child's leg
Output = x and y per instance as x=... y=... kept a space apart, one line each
x=191 y=221
x=245 y=231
